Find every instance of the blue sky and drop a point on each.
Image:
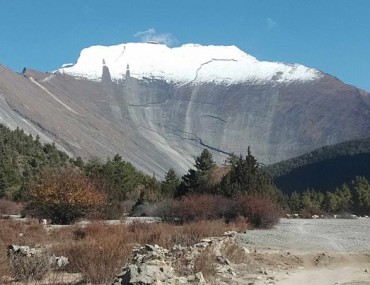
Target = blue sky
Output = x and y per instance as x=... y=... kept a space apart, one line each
x=331 y=35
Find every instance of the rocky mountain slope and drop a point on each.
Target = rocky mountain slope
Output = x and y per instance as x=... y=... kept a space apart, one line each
x=159 y=107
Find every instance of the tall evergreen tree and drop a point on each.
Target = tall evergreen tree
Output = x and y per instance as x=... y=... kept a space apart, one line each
x=170 y=183
x=344 y=196
x=294 y=202
x=246 y=176
x=331 y=202
x=196 y=180
x=361 y=193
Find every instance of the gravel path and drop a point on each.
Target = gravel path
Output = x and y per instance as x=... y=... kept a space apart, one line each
x=340 y=235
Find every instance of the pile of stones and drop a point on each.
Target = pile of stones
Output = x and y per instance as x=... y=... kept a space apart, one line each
x=154 y=265
x=22 y=251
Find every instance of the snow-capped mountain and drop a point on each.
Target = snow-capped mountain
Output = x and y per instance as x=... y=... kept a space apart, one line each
x=189 y=63
x=159 y=107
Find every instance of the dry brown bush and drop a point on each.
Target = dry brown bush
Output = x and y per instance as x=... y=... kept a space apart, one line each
x=8 y=207
x=260 y=211
x=206 y=263
x=239 y=224
x=19 y=233
x=4 y=264
x=161 y=234
x=201 y=229
x=63 y=195
x=196 y=207
x=97 y=254
x=167 y=235
x=98 y=250
x=234 y=252
x=29 y=268
x=28 y=233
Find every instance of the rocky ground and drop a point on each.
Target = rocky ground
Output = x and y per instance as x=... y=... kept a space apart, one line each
x=326 y=251
x=296 y=251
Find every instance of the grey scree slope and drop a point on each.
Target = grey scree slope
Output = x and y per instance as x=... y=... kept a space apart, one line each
x=157 y=125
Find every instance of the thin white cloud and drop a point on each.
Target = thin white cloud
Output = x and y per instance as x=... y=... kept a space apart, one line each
x=151 y=35
x=271 y=23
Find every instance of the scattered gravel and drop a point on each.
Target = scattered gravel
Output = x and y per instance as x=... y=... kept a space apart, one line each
x=341 y=235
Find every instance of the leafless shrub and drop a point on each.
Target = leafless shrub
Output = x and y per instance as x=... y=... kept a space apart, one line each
x=28 y=268
x=4 y=264
x=98 y=253
x=25 y=233
x=8 y=207
x=260 y=211
x=234 y=252
x=196 y=207
x=201 y=229
x=206 y=263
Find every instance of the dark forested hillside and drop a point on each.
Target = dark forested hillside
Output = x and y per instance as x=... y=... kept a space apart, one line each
x=323 y=169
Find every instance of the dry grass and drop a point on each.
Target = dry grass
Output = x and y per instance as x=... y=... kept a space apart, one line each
x=144 y=233
x=235 y=253
x=98 y=251
x=28 y=268
x=28 y=233
x=21 y=233
x=4 y=265
x=201 y=229
x=206 y=263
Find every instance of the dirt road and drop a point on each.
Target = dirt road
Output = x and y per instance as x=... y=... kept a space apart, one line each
x=317 y=252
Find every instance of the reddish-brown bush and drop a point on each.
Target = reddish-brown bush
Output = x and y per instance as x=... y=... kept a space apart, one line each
x=144 y=233
x=197 y=207
x=8 y=207
x=4 y=265
x=201 y=229
x=28 y=233
x=260 y=211
x=20 y=233
x=96 y=250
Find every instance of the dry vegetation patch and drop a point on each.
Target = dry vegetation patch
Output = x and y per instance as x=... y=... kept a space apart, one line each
x=98 y=250
x=8 y=207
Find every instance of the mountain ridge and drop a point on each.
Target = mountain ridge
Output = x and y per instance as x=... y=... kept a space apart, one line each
x=157 y=124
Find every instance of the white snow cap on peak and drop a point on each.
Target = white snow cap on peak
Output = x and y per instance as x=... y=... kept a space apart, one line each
x=189 y=63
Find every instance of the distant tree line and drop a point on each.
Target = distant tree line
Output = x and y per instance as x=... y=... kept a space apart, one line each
x=352 y=197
